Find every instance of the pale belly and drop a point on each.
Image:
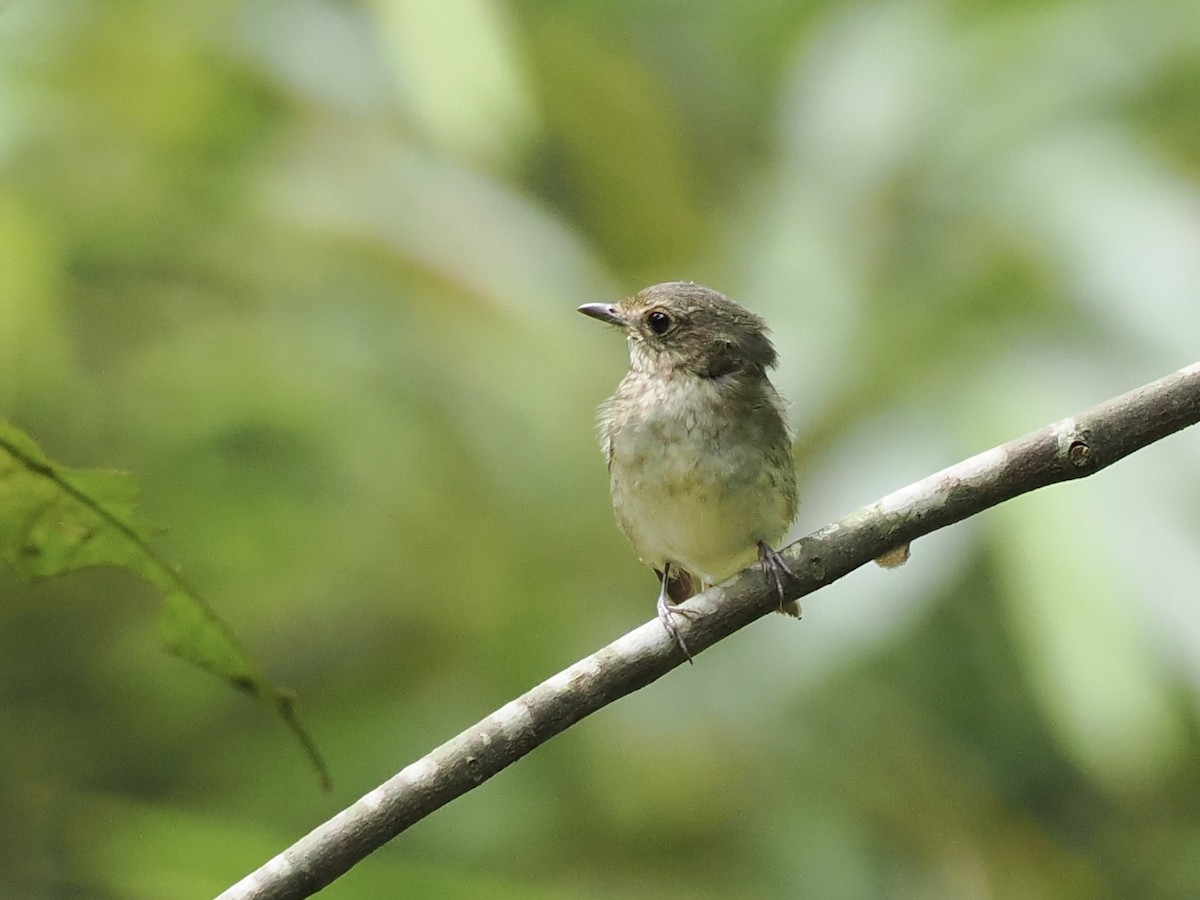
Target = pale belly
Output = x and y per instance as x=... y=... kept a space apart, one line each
x=702 y=504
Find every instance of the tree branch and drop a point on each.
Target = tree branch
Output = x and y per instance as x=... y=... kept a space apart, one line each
x=1072 y=448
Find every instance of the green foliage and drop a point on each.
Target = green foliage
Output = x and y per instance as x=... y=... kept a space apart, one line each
x=55 y=520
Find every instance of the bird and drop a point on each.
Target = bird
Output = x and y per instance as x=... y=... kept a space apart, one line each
x=697 y=443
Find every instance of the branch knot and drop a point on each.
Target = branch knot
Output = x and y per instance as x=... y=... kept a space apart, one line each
x=1080 y=453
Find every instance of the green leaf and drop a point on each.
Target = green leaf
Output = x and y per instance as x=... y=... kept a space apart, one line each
x=54 y=520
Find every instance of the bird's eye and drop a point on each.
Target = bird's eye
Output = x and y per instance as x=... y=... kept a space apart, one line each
x=658 y=321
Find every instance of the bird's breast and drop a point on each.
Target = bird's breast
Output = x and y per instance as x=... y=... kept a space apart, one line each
x=691 y=480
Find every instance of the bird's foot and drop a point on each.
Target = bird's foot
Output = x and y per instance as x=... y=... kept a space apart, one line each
x=677 y=586
x=666 y=612
x=776 y=567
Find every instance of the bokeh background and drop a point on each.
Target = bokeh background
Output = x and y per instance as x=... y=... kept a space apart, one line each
x=308 y=269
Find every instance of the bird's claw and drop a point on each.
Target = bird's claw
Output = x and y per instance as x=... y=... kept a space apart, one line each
x=775 y=566
x=666 y=610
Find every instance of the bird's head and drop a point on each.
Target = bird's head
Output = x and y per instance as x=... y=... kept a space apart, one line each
x=680 y=325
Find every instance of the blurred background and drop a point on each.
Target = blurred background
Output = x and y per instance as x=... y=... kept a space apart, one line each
x=309 y=270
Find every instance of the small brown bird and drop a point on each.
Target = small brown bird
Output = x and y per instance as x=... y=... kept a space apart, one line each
x=699 y=453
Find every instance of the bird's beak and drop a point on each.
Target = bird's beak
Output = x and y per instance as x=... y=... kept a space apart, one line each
x=605 y=312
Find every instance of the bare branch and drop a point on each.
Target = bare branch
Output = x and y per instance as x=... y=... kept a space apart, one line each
x=1072 y=448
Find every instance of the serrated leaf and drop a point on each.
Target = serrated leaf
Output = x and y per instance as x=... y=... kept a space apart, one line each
x=55 y=519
